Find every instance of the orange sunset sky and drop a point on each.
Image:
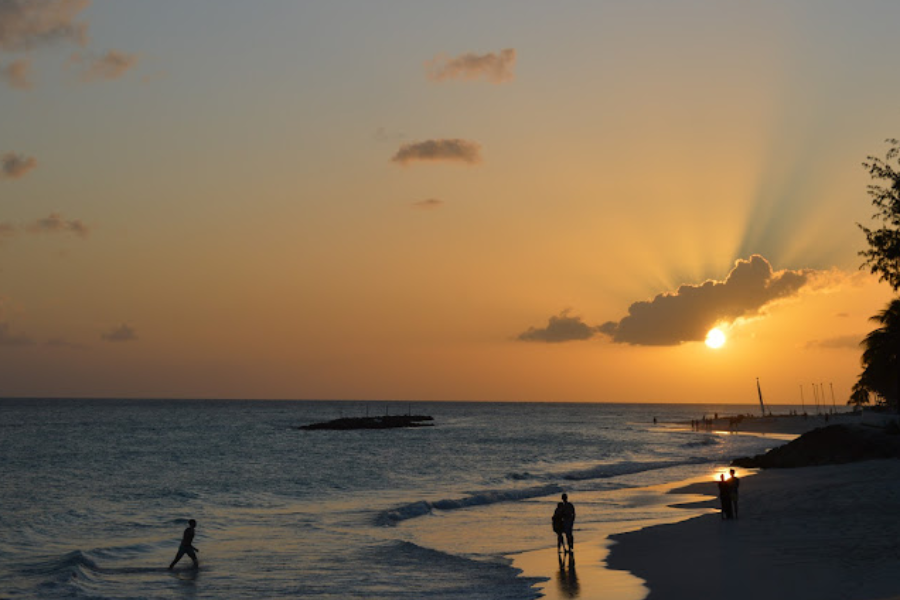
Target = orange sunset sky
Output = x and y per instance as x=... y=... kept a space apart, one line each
x=510 y=200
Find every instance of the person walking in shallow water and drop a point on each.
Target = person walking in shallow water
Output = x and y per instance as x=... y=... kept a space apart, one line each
x=186 y=546
x=568 y=519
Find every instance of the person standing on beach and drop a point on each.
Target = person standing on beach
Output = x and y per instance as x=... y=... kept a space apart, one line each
x=186 y=546
x=558 y=527
x=725 y=496
x=568 y=510
x=735 y=484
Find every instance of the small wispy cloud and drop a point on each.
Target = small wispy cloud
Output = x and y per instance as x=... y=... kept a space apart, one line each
x=109 y=66
x=383 y=134
x=121 y=333
x=428 y=204
x=30 y=25
x=66 y=345
x=17 y=74
x=560 y=328
x=56 y=223
x=442 y=150
x=27 y=24
x=844 y=342
x=16 y=166
x=492 y=67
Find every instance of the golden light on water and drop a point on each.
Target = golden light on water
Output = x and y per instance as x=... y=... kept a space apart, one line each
x=715 y=338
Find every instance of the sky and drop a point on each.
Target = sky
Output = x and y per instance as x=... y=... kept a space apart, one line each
x=421 y=200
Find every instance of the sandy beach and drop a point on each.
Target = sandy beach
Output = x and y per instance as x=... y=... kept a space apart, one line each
x=821 y=533
x=816 y=533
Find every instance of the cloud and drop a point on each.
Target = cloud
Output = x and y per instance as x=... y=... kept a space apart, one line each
x=495 y=68
x=429 y=203
x=14 y=166
x=561 y=328
x=26 y=24
x=17 y=74
x=382 y=134
x=122 y=333
x=61 y=343
x=109 y=66
x=687 y=314
x=452 y=150
x=844 y=342
x=10 y=340
x=55 y=223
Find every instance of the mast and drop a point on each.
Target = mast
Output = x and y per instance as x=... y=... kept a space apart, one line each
x=762 y=406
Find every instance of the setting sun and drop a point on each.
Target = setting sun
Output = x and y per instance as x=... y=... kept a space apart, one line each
x=715 y=338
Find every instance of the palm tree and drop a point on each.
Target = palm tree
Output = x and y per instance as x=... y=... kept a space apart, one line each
x=859 y=395
x=881 y=355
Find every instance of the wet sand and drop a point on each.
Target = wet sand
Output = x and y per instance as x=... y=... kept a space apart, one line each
x=585 y=575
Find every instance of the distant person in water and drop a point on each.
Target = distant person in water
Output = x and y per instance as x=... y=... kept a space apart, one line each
x=735 y=485
x=186 y=546
x=725 y=496
x=558 y=527
x=568 y=511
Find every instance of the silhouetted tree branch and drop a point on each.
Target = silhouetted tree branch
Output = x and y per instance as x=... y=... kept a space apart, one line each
x=883 y=255
x=881 y=348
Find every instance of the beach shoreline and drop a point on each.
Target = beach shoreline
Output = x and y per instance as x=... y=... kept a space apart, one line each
x=809 y=532
x=814 y=532
x=587 y=574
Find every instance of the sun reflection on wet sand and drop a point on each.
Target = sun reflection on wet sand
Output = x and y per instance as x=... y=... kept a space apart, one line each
x=593 y=579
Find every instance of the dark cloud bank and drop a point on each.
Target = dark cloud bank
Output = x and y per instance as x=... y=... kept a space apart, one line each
x=687 y=314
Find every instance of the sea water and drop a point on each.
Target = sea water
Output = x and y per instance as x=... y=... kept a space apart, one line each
x=95 y=494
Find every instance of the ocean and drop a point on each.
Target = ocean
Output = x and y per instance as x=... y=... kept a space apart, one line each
x=96 y=493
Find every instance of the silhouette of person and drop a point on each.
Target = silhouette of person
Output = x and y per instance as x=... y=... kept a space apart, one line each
x=735 y=484
x=568 y=510
x=186 y=546
x=558 y=527
x=725 y=496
